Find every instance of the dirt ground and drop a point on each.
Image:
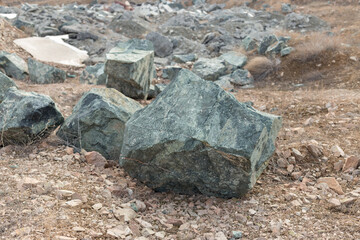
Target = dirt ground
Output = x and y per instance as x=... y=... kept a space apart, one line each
x=49 y=192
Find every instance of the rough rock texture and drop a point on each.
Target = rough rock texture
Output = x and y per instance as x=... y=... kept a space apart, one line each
x=162 y=45
x=26 y=117
x=170 y=72
x=210 y=69
x=234 y=60
x=5 y=84
x=98 y=120
x=94 y=75
x=44 y=74
x=130 y=71
x=267 y=42
x=13 y=65
x=190 y=131
x=300 y=22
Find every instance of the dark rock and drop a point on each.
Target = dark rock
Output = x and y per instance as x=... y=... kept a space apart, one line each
x=267 y=42
x=183 y=46
x=94 y=75
x=209 y=143
x=286 y=8
x=5 y=84
x=44 y=74
x=209 y=69
x=249 y=43
x=26 y=117
x=163 y=47
x=170 y=72
x=241 y=77
x=224 y=82
x=13 y=65
x=128 y=26
x=98 y=120
x=25 y=26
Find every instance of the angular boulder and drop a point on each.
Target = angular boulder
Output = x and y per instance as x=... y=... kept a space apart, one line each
x=210 y=69
x=5 y=84
x=234 y=60
x=130 y=71
x=26 y=117
x=13 y=65
x=94 y=75
x=98 y=120
x=197 y=138
x=41 y=73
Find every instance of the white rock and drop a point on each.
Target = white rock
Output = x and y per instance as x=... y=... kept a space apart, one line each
x=220 y=236
x=337 y=151
x=73 y=203
x=120 y=231
x=97 y=206
x=126 y=213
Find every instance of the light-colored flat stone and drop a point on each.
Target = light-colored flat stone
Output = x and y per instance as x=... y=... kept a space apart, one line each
x=53 y=49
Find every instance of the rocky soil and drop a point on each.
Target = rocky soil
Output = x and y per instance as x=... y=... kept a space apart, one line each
x=310 y=189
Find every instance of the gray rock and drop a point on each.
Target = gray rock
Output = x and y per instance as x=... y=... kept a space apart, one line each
x=13 y=65
x=152 y=92
x=296 y=21
x=207 y=143
x=241 y=77
x=98 y=120
x=163 y=47
x=24 y=25
x=130 y=71
x=94 y=75
x=267 y=42
x=249 y=43
x=286 y=51
x=234 y=60
x=185 y=58
x=170 y=72
x=26 y=117
x=275 y=48
x=184 y=46
x=5 y=84
x=128 y=26
x=286 y=8
x=44 y=74
x=198 y=2
x=210 y=69
x=160 y=87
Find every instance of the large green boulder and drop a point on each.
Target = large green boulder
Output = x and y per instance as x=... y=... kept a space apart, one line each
x=98 y=120
x=197 y=138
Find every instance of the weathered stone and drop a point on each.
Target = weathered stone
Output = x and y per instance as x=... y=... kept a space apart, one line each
x=210 y=69
x=185 y=58
x=130 y=71
x=275 y=48
x=94 y=75
x=26 y=117
x=286 y=51
x=241 y=77
x=98 y=120
x=163 y=47
x=351 y=162
x=249 y=43
x=135 y=43
x=332 y=183
x=286 y=8
x=13 y=65
x=130 y=27
x=234 y=60
x=170 y=72
x=5 y=84
x=224 y=82
x=44 y=74
x=296 y=21
x=179 y=144
x=266 y=42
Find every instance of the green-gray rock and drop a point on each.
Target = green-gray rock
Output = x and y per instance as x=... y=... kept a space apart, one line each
x=249 y=43
x=41 y=73
x=13 y=65
x=197 y=138
x=5 y=84
x=241 y=77
x=170 y=72
x=234 y=60
x=98 y=120
x=286 y=51
x=266 y=42
x=26 y=117
x=94 y=75
x=210 y=69
x=130 y=71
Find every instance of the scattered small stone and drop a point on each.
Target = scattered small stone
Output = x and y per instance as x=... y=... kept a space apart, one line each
x=97 y=206
x=79 y=229
x=332 y=183
x=237 y=234
x=315 y=151
x=120 y=231
x=220 y=236
x=73 y=203
x=337 y=151
x=334 y=202
x=125 y=214
x=351 y=162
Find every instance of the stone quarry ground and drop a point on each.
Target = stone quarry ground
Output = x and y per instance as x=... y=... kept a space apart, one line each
x=286 y=203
